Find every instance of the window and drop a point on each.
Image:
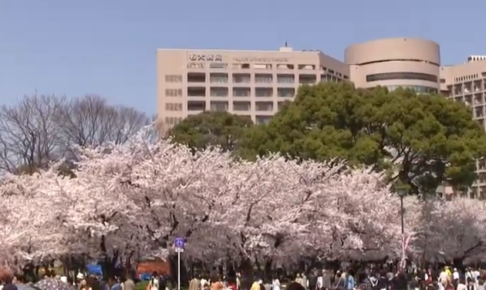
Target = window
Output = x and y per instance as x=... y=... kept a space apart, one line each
x=285 y=79
x=219 y=106
x=196 y=91
x=218 y=92
x=173 y=78
x=285 y=92
x=478 y=112
x=218 y=65
x=241 y=78
x=478 y=99
x=172 y=120
x=401 y=76
x=219 y=78
x=241 y=92
x=442 y=81
x=241 y=106
x=196 y=105
x=264 y=106
x=418 y=89
x=307 y=79
x=173 y=106
x=329 y=78
x=264 y=92
x=263 y=119
x=173 y=92
x=196 y=77
x=263 y=78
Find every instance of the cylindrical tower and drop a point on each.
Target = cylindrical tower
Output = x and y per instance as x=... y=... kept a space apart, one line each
x=395 y=62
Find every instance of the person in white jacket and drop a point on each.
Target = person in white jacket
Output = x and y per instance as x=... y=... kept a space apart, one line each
x=275 y=284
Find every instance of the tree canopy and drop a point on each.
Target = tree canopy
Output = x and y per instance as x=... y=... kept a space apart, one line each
x=129 y=201
x=210 y=129
x=424 y=140
x=39 y=130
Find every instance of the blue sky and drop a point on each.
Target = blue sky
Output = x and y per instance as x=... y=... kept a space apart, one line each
x=108 y=47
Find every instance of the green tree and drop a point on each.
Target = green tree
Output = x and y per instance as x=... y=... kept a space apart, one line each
x=211 y=129
x=423 y=140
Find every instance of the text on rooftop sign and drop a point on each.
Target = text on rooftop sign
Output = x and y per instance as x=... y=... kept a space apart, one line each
x=261 y=59
x=205 y=57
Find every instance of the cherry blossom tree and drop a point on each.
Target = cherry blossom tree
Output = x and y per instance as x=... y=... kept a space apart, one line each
x=452 y=229
x=33 y=224
x=133 y=199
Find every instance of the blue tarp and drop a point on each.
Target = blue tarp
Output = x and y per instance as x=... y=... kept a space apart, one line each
x=94 y=269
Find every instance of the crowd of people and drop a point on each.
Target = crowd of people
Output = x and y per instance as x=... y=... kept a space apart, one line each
x=411 y=278
x=50 y=281
x=447 y=278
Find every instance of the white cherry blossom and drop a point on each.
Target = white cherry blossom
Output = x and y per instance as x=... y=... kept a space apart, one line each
x=135 y=198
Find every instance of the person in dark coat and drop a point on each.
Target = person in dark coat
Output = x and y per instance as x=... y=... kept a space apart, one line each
x=312 y=280
x=294 y=286
x=382 y=281
x=400 y=282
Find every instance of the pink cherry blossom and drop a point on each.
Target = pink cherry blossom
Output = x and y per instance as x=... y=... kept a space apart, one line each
x=137 y=197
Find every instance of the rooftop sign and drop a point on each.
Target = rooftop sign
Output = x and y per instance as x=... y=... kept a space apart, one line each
x=205 y=57
x=261 y=59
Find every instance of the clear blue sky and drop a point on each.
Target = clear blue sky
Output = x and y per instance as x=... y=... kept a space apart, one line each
x=108 y=47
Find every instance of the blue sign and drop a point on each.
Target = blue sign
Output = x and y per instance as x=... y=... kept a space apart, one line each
x=180 y=243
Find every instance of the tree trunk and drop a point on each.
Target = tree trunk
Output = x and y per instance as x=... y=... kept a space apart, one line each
x=173 y=270
x=458 y=263
x=267 y=270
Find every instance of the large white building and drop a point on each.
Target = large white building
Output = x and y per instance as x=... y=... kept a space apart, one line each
x=256 y=83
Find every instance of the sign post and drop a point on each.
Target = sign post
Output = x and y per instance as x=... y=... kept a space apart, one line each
x=179 y=245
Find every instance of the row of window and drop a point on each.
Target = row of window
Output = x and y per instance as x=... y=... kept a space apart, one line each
x=223 y=106
x=401 y=76
x=236 y=92
x=173 y=106
x=418 y=89
x=477 y=100
x=237 y=106
x=257 y=78
x=468 y=78
x=267 y=66
x=173 y=92
x=173 y=78
x=172 y=121
x=264 y=91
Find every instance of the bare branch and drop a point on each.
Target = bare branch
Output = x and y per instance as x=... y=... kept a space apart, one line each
x=29 y=134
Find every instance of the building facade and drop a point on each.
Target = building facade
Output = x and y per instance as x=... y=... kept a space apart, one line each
x=396 y=62
x=256 y=83
x=467 y=83
x=247 y=83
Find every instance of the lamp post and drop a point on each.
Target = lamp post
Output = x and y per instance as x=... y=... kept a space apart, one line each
x=402 y=191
